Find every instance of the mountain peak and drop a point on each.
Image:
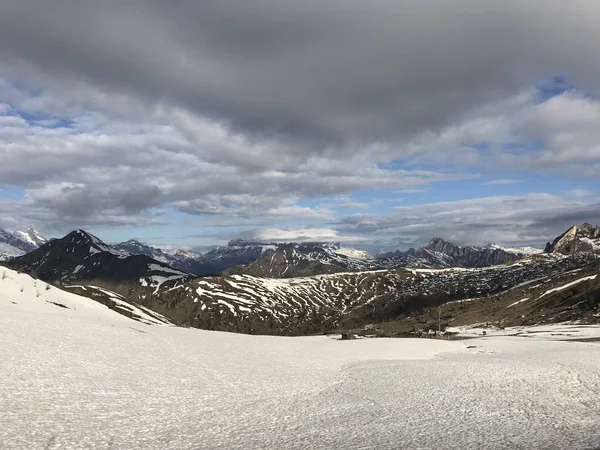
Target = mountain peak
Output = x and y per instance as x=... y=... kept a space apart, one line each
x=574 y=240
x=32 y=236
x=438 y=244
x=19 y=242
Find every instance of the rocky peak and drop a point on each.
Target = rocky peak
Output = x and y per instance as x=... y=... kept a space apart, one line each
x=574 y=240
x=440 y=245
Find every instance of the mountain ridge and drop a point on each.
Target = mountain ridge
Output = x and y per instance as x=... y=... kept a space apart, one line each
x=81 y=256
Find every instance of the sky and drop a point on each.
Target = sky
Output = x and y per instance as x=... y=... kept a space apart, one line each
x=377 y=124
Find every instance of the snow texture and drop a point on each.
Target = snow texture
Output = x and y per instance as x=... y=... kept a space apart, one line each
x=86 y=377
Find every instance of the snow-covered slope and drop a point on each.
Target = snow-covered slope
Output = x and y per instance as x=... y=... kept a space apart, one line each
x=90 y=378
x=8 y=251
x=20 y=293
x=526 y=251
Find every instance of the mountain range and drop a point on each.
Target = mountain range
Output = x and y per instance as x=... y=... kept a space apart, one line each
x=82 y=257
x=305 y=288
x=287 y=259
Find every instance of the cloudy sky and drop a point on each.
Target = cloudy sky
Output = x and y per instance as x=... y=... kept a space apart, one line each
x=378 y=123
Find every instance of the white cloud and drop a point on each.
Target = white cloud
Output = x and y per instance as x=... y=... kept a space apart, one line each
x=297 y=235
x=216 y=110
x=523 y=219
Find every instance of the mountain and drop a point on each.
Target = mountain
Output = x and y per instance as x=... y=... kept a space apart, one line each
x=298 y=260
x=81 y=256
x=178 y=259
x=586 y=238
x=236 y=252
x=309 y=288
x=19 y=242
x=31 y=236
x=469 y=256
x=319 y=303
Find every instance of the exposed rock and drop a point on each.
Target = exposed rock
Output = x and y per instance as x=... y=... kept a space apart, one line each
x=575 y=240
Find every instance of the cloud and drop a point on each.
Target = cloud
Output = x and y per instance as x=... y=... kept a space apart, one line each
x=325 y=73
x=524 y=219
x=501 y=181
x=101 y=164
x=304 y=234
x=241 y=111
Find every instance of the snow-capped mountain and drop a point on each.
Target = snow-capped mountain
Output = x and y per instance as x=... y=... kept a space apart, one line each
x=176 y=258
x=82 y=256
x=441 y=253
x=298 y=260
x=32 y=236
x=585 y=238
x=19 y=242
x=236 y=252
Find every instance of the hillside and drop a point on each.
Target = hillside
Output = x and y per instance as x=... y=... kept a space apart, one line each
x=20 y=293
x=319 y=303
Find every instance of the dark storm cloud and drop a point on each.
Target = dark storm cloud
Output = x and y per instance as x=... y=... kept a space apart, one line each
x=322 y=72
x=564 y=220
x=235 y=109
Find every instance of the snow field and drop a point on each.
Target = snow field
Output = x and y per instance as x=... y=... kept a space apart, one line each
x=90 y=378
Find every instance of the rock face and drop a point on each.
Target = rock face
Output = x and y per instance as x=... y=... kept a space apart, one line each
x=586 y=238
x=470 y=257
